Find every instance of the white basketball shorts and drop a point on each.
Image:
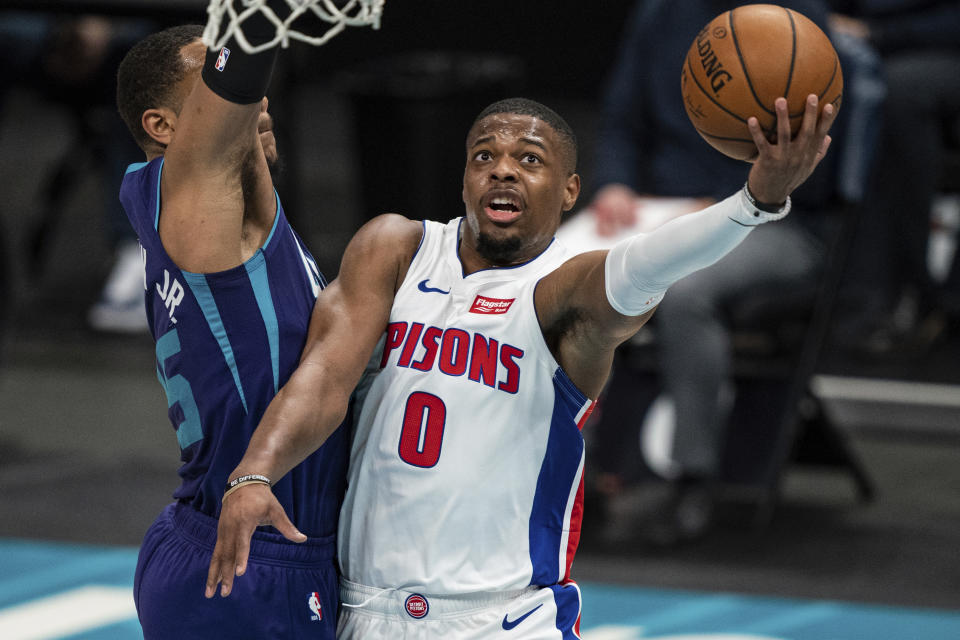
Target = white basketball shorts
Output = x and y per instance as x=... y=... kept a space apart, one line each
x=534 y=613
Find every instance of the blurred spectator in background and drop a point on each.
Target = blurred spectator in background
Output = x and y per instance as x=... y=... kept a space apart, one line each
x=73 y=62
x=647 y=147
x=897 y=307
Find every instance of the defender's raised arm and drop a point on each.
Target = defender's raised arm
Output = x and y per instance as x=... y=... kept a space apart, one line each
x=217 y=199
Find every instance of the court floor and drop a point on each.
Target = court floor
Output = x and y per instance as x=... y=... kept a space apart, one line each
x=55 y=591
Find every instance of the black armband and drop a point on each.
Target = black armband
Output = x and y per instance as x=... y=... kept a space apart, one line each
x=766 y=207
x=238 y=76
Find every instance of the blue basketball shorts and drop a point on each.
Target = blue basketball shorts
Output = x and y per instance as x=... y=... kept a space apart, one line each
x=289 y=590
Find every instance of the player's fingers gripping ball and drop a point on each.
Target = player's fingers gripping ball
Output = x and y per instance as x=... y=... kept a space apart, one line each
x=746 y=58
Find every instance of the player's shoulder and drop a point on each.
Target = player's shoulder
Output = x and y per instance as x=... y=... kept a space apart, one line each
x=390 y=231
x=139 y=194
x=561 y=292
x=395 y=223
x=572 y=268
x=142 y=175
x=389 y=237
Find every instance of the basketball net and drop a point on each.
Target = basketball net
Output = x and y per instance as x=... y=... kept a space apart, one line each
x=353 y=13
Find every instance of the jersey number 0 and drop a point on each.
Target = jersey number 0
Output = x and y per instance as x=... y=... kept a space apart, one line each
x=422 y=434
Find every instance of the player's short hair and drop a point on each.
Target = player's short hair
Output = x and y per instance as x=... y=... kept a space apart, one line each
x=527 y=107
x=149 y=73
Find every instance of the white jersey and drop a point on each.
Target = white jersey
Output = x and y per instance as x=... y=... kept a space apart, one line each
x=467 y=463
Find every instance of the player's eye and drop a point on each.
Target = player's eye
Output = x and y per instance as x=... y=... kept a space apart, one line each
x=482 y=156
x=530 y=158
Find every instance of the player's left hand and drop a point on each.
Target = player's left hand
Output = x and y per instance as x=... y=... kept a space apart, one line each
x=783 y=165
x=242 y=512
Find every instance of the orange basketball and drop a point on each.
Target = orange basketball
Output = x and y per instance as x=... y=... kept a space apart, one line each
x=744 y=60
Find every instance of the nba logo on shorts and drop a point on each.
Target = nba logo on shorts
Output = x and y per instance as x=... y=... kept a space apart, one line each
x=222 y=59
x=313 y=601
x=417 y=606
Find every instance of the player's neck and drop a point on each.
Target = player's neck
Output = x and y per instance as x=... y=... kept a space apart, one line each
x=478 y=256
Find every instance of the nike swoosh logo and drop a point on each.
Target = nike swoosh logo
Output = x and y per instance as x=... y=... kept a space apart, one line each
x=423 y=287
x=510 y=624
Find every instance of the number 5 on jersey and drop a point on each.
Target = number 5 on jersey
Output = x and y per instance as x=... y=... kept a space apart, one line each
x=178 y=391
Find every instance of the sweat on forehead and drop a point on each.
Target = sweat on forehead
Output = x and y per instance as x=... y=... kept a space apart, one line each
x=527 y=107
x=511 y=124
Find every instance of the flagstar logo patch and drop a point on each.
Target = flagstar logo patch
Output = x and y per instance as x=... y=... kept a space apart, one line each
x=490 y=306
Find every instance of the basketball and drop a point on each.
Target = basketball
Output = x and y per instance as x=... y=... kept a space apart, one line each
x=746 y=58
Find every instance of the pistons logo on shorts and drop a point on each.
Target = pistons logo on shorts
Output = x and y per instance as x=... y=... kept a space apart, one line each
x=221 y=63
x=417 y=606
x=313 y=601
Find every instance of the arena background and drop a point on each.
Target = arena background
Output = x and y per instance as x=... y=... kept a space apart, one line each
x=87 y=456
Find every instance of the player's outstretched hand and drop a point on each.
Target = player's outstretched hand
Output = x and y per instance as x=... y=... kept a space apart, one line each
x=783 y=165
x=242 y=512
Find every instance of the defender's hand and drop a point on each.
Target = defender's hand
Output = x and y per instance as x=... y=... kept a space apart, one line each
x=268 y=141
x=783 y=165
x=243 y=511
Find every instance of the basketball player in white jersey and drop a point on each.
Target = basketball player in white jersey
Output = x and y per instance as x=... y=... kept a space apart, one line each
x=463 y=507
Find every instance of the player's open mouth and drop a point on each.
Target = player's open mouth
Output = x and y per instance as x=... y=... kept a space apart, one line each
x=503 y=209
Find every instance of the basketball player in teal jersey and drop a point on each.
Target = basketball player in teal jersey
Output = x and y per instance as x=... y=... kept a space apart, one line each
x=229 y=292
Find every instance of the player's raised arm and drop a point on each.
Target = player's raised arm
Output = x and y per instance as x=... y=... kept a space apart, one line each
x=615 y=292
x=216 y=186
x=348 y=320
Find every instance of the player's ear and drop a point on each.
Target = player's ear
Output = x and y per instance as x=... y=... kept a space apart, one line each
x=159 y=124
x=572 y=191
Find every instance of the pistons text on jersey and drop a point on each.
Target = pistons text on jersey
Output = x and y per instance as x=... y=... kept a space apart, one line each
x=459 y=352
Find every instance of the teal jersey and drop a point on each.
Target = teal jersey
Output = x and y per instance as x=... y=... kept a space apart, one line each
x=226 y=343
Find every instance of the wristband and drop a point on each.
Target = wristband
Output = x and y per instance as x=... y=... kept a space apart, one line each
x=762 y=206
x=236 y=483
x=238 y=76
